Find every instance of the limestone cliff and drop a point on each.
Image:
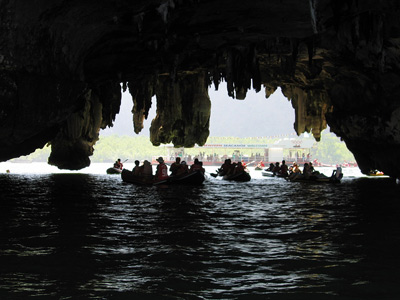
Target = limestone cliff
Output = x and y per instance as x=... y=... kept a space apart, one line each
x=62 y=64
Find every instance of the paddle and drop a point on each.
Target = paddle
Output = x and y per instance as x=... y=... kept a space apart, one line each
x=252 y=162
x=215 y=174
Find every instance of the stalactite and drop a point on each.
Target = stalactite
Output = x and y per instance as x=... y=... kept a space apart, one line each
x=216 y=75
x=183 y=111
x=73 y=145
x=241 y=69
x=229 y=73
x=310 y=110
x=142 y=93
x=255 y=70
x=109 y=94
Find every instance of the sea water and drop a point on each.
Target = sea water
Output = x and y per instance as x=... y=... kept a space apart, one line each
x=88 y=235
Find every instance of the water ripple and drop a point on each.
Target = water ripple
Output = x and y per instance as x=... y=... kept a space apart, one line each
x=94 y=237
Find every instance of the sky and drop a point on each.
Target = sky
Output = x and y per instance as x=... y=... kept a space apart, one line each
x=255 y=116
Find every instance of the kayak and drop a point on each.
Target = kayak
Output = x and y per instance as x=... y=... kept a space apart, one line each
x=376 y=173
x=128 y=176
x=316 y=178
x=114 y=171
x=243 y=176
x=194 y=178
x=272 y=174
x=268 y=174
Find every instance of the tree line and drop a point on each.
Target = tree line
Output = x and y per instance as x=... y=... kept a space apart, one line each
x=330 y=149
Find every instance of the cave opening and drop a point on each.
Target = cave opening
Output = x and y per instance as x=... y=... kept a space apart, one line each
x=255 y=116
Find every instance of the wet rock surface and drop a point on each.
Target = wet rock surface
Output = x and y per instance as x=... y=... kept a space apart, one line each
x=62 y=64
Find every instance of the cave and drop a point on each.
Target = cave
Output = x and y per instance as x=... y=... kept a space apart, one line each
x=63 y=64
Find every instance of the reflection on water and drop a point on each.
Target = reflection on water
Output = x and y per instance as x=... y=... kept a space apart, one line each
x=91 y=236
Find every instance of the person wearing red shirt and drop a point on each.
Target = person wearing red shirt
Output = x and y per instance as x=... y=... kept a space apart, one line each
x=162 y=170
x=118 y=164
x=196 y=166
x=174 y=168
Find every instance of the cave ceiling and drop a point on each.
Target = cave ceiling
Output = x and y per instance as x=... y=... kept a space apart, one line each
x=64 y=65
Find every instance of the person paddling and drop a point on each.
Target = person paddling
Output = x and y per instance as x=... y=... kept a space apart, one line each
x=271 y=167
x=118 y=164
x=225 y=167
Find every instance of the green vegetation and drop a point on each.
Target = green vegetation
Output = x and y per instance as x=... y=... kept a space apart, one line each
x=329 y=150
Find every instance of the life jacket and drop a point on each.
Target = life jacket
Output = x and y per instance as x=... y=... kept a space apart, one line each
x=174 y=168
x=183 y=169
x=147 y=170
x=137 y=170
x=162 y=172
x=284 y=169
x=195 y=167
x=239 y=169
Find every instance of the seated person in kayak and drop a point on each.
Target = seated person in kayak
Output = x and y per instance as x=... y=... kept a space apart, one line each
x=183 y=168
x=271 y=167
x=146 y=170
x=137 y=170
x=295 y=171
x=260 y=165
x=337 y=173
x=283 y=170
x=162 y=170
x=196 y=166
x=312 y=169
x=175 y=166
x=277 y=168
x=306 y=171
x=231 y=169
x=118 y=164
x=225 y=167
x=239 y=168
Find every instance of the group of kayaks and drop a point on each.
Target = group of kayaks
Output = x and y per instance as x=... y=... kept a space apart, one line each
x=198 y=177
x=192 y=178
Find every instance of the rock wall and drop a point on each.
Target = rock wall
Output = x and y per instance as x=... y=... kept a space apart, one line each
x=62 y=64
